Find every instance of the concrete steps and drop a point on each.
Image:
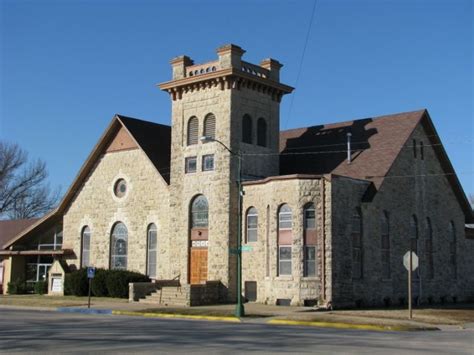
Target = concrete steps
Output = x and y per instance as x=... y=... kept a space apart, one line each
x=169 y=296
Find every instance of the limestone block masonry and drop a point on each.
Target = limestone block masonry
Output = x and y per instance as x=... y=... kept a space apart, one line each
x=260 y=263
x=96 y=206
x=228 y=91
x=245 y=99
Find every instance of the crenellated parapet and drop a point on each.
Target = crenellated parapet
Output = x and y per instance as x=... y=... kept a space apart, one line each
x=228 y=72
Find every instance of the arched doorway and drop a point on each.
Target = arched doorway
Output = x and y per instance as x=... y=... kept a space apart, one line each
x=198 y=240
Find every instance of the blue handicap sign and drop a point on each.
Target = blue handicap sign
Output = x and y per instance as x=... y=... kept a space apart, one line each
x=90 y=272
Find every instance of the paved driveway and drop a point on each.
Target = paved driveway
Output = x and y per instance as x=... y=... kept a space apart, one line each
x=34 y=331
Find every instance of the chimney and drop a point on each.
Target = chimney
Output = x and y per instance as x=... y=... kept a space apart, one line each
x=349 y=135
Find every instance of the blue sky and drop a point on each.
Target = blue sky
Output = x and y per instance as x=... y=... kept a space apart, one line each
x=66 y=66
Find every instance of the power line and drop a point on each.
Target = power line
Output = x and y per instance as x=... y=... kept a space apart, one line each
x=423 y=175
x=337 y=151
x=366 y=142
x=168 y=168
x=301 y=61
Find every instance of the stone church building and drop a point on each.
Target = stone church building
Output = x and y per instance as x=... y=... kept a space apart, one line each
x=328 y=211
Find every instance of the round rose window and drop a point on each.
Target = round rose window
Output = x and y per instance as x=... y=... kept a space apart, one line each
x=120 y=188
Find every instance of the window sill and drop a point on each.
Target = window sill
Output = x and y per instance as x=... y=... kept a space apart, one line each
x=284 y=278
x=310 y=278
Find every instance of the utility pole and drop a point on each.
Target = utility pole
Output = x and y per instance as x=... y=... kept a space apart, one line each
x=239 y=308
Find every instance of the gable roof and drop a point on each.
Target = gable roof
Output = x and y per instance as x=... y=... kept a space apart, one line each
x=375 y=144
x=152 y=138
x=10 y=228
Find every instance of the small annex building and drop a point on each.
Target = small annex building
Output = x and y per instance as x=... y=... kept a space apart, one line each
x=322 y=222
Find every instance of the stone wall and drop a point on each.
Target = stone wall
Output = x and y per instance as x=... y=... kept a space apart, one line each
x=95 y=205
x=260 y=264
x=346 y=196
x=257 y=160
x=215 y=185
x=219 y=186
x=414 y=186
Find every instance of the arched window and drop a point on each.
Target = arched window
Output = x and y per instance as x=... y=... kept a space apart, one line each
x=356 y=236
x=193 y=130
x=414 y=242
x=252 y=224
x=85 y=246
x=210 y=126
x=119 y=247
x=309 y=240
x=452 y=248
x=429 y=249
x=262 y=132
x=414 y=234
x=385 y=246
x=247 y=129
x=199 y=212
x=309 y=215
x=284 y=217
x=151 y=251
x=285 y=240
x=198 y=234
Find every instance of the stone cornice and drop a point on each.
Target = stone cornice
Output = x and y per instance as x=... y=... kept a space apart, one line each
x=230 y=78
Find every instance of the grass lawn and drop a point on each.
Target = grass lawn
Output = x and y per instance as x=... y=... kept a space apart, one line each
x=54 y=301
x=452 y=314
x=448 y=315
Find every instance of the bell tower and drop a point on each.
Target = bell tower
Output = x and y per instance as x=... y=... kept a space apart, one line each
x=237 y=104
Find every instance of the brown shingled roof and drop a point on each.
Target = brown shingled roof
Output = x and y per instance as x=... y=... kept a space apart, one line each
x=376 y=143
x=10 y=228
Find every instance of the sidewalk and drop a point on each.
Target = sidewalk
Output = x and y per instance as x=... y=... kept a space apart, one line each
x=255 y=313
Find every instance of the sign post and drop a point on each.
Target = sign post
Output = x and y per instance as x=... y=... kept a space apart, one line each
x=90 y=276
x=410 y=261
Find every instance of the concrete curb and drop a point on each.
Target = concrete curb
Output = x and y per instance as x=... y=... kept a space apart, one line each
x=84 y=310
x=380 y=328
x=27 y=308
x=177 y=316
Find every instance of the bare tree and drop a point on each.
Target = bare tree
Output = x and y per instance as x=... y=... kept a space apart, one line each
x=24 y=192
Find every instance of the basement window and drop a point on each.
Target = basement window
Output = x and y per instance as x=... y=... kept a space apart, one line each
x=283 y=302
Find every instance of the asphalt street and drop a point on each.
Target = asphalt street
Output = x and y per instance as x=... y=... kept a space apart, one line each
x=54 y=332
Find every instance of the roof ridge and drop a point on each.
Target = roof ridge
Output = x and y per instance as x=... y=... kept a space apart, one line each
x=123 y=117
x=391 y=115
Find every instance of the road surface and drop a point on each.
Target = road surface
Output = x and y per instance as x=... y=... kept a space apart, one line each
x=35 y=331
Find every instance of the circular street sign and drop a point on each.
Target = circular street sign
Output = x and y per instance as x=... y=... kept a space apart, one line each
x=414 y=261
